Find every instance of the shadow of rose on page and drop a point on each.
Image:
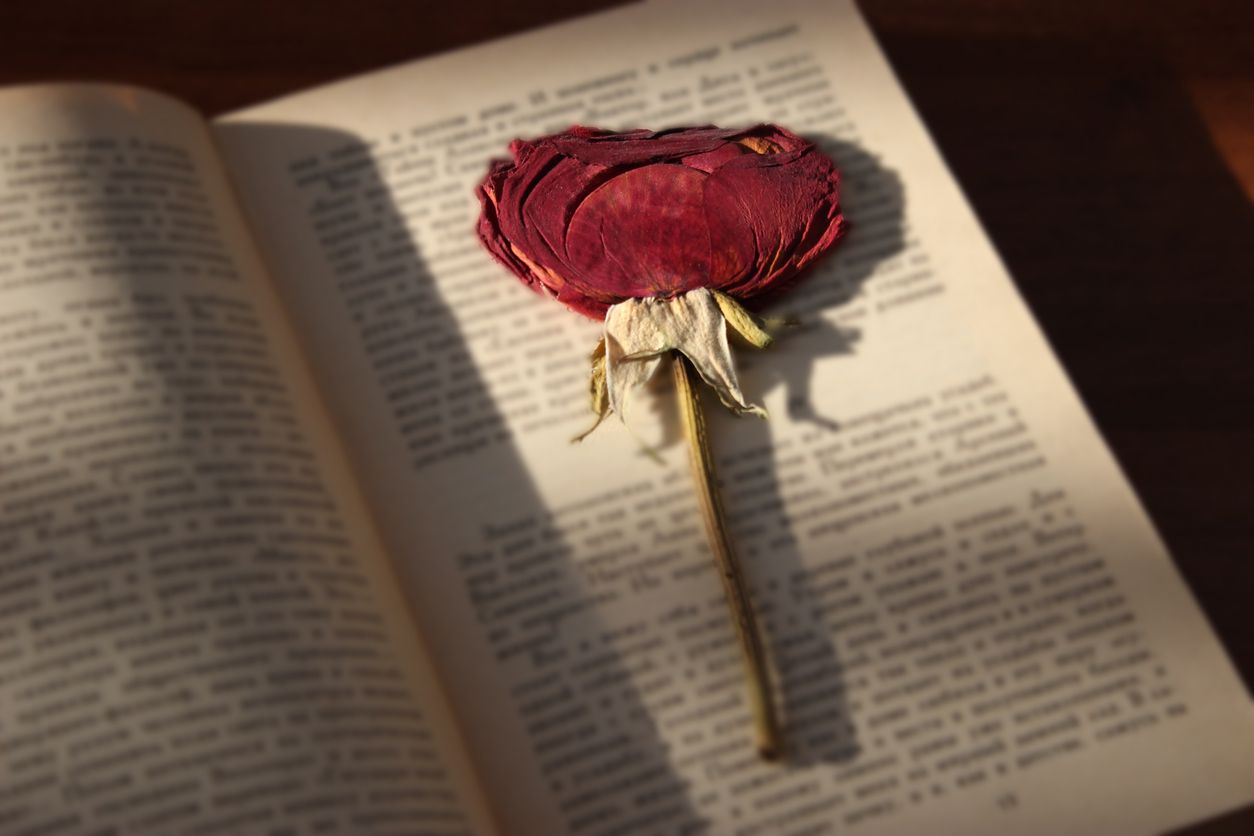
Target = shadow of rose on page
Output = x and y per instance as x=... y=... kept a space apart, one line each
x=533 y=670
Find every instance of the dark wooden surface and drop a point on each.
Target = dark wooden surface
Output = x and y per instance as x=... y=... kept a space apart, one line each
x=1107 y=146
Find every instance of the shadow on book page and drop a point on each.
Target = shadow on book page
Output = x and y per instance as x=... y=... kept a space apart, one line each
x=552 y=692
x=548 y=619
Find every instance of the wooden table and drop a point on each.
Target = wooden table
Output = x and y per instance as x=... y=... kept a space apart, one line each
x=1107 y=146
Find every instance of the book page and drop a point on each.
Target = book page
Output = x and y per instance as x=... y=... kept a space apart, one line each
x=973 y=626
x=197 y=633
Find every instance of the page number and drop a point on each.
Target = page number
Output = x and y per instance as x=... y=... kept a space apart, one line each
x=1008 y=801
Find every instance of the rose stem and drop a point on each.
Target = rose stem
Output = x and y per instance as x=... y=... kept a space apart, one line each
x=765 y=723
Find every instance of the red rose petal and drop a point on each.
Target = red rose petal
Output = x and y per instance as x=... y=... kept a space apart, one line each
x=594 y=217
x=647 y=232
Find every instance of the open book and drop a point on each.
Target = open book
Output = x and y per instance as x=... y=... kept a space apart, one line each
x=293 y=538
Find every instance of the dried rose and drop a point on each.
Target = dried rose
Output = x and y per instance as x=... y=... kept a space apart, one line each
x=596 y=218
x=659 y=234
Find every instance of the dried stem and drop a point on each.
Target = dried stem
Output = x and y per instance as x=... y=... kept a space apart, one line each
x=765 y=723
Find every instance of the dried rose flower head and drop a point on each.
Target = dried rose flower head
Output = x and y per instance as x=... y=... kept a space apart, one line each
x=596 y=218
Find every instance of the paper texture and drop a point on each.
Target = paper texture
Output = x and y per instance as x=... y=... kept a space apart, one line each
x=975 y=628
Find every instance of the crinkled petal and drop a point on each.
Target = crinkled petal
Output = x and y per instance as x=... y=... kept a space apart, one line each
x=594 y=218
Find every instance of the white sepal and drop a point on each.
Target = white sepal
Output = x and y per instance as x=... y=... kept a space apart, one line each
x=639 y=333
